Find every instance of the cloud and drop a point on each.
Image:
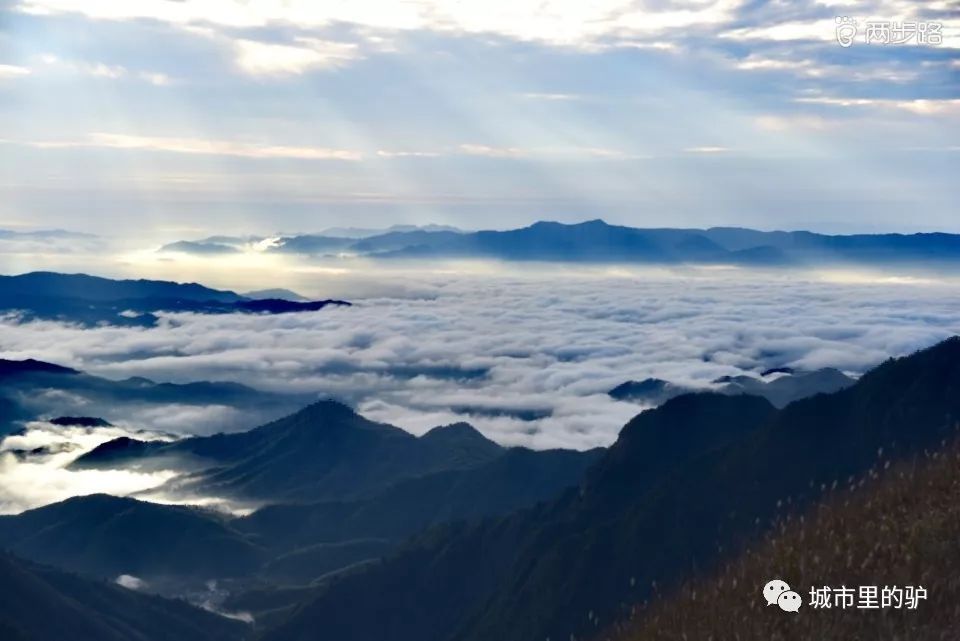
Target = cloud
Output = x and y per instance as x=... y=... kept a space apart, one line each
x=262 y=58
x=471 y=149
x=556 y=21
x=918 y=106
x=13 y=71
x=561 y=97
x=528 y=359
x=31 y=480
x=197 y=146
x=130 y=582
x=707 y=149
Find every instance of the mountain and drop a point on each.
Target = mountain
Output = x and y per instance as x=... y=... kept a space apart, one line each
x=359 y=232
x=515 y=479
x=93 y=288
x=282 y=294
x=597 y=241
x=10 y=368
x=787 y=387
x=326 y=451
x=649 y=391
x=106 y=536
x=199 y=248
x=892 y=526
x=379 y=485
x=24 y=396
x=81 y=421
x=91 y=300
x=43 y=604
x=696 y=479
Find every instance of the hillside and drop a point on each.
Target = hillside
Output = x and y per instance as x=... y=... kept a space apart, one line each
x=325 y=451
x=43 y=604
x=372 y=485
x=106 y=536
x=699 y=475
x=897 y=526
x=92 y=300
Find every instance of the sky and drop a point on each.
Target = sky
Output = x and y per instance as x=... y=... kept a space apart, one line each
x=161 y=119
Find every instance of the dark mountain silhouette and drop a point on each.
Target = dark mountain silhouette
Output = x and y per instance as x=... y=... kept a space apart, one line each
x=897 y=525
x=325 y=451
x=31 y=366
x=649 y=391
x=90 y=300
x=282 y=306
x=277 y=292
x=516 y=478
x=199 y=248
x=21 y=400
x=701 y=476
x=81 y=421
x=43 y=604
x=399 y=484
x=780 y=391
x=106 y=536
x=93 y=288
x=597 y=241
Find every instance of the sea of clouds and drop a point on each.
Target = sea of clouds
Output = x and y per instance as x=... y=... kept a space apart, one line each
x=527 y=360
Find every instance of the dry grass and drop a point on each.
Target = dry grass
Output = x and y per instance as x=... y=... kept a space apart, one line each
x=897 y=525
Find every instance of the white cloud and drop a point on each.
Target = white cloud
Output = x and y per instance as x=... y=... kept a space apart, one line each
x=550 y=343
x=922 y=107
x=707 y=149
x=40 y=479
x=472 y=149
x=263 y=59
x=562 y=22
x=199 y=146
x=555 y=97
x=789 y=122
x=383 y=153
x=130 y=582
x=13 y=71
x=156 y=78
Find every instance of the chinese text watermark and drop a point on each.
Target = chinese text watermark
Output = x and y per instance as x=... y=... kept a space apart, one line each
x=863 y=597
x=888 y=32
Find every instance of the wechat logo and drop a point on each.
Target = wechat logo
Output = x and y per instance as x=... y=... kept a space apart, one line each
x=777 y=592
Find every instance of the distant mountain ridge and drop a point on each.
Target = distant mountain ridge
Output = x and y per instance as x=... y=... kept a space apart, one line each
x=599 y=242
x=786 y=388
x=90 y=300
x=24 y=383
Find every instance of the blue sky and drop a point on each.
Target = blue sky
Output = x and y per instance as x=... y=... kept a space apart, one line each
x=168 y=119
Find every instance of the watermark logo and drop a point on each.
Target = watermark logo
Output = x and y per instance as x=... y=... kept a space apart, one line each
x=846 y=30
x=865 y=597
x=777 y=592
x=888 y=32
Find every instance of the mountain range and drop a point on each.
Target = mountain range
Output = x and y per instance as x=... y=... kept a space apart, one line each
x=91 y=300
x=779 y=387
x=37 y=390
x=342 y=490
x=371 y=533
x=596 y=241
x=684 y=486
